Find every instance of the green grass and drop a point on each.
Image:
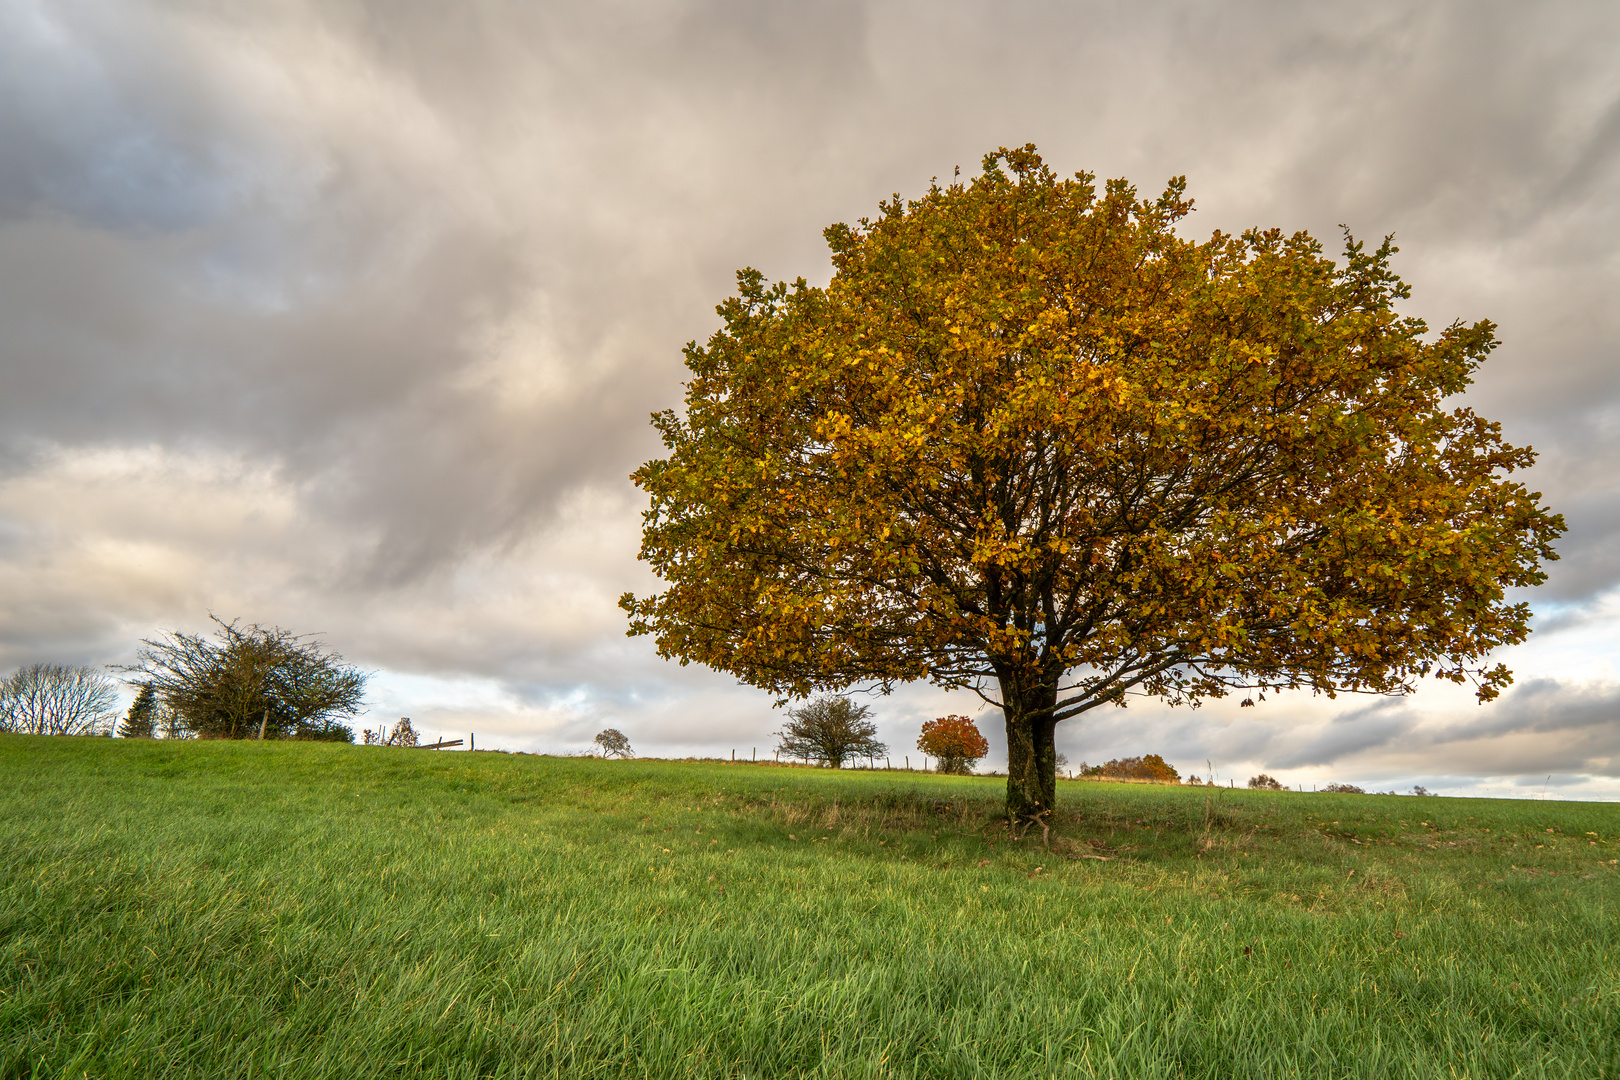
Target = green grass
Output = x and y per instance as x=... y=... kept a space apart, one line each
x=292 y=910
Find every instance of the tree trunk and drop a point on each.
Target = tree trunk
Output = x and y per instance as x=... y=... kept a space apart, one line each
x=1031 y=752
x=263 y=723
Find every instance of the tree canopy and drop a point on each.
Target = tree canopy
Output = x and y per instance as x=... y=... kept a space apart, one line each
x=1031 y=442
x=252 y=681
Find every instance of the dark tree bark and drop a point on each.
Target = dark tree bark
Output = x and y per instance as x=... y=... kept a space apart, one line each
x=1031 y=750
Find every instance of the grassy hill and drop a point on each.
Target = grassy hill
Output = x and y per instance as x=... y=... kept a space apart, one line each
x=292 y=910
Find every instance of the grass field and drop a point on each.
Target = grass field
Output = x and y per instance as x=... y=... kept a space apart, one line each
x=291 y=910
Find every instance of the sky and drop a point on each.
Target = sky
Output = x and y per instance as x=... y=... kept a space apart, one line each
x=348 y=317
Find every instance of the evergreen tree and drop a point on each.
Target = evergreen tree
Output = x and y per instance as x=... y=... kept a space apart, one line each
x=142 y=715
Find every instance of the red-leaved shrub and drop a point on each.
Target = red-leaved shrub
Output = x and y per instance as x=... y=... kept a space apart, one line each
x=955 y=742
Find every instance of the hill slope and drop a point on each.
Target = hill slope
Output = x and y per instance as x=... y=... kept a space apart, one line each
x=211 y=909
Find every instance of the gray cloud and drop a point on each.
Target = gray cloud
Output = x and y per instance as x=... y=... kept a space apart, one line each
x=349 y=315
x=1543 y=724
x=1352 y=732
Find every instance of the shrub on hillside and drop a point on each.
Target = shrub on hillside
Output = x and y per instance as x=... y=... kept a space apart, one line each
x=954 y=742
x=1147 y=767
x=251 y=682
x=324 y=731
x=1343 y=789
x=1264 y=782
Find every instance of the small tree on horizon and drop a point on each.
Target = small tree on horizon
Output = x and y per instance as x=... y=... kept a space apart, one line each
x=141 y=721
x=402 y=735
x=832 y=730
x=955 y=742
x=614 y=744
x=1265 y=782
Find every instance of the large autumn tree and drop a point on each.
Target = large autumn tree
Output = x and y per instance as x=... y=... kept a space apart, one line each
x=1031 y=442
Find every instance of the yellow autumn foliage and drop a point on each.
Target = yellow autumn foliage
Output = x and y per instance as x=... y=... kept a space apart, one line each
x=1030 y=440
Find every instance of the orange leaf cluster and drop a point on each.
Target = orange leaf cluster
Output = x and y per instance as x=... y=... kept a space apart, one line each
x=955 y=742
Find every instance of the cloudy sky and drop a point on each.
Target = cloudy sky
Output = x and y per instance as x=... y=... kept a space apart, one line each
x=348 y=317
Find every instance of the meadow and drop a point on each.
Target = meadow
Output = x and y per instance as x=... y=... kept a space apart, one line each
x=308 y=910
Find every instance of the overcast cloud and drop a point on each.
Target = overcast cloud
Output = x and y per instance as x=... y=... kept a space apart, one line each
x=348 y=317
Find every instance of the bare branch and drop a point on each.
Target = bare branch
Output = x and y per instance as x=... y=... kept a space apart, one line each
x=52 y=699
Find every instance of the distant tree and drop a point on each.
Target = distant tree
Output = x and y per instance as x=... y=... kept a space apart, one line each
x=1264 y=783
x=614 y=744
x=955 y=742
x=1147 y=767
x=830 y=729
x=252 y=682
x=142 y=718
x=1343 y=789
x=402 y=735
x=1419 y=789
x=53 y=699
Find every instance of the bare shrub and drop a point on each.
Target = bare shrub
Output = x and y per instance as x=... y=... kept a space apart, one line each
x=402 y=735
x=1343 y=789
x=171 y=725
x=1264 y=782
